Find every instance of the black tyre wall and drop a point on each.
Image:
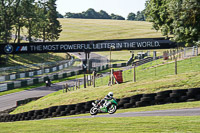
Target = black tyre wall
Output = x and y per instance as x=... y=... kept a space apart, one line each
x=140 y=100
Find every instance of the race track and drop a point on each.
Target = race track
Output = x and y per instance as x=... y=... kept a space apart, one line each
x=173 y=112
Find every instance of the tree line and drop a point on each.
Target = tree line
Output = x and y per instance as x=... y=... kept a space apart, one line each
x=37 y=17
x=92 y=14
x=177 y=18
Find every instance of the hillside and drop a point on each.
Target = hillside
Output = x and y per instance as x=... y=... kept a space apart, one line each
x=147 y=82
x=99 y=29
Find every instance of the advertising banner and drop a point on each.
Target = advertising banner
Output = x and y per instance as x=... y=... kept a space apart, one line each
x=87 y=46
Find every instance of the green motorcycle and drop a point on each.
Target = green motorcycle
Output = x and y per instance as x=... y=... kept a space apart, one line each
x=98 y=108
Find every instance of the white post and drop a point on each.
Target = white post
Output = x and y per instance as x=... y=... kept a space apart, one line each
x=193 y=51
x=184 y=52
x=148 y=53
x=154 y=55
x=197 y=51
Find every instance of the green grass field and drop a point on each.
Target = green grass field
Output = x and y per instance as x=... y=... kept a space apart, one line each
x=97 y=29
x=184 y=124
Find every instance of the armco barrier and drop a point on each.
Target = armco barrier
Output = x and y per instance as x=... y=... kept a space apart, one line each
x=3 y=87
x=24 y=83
x=36 y=72
x=140 y=100
x=41 y=80
x=35 y=81
x=60 y=75
x=2 y=78
x=30 y=82
x=10 y=86
x=17 y=84
x=55 y=77
x=13 y=76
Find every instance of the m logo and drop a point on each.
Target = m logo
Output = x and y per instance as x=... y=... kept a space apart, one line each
x=8 y=49
x=22 y=48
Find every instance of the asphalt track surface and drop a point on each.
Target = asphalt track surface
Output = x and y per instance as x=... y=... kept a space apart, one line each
x=9 y=101
x=172 y=112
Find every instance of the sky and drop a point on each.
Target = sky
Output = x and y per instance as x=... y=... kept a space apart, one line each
x=119 y=7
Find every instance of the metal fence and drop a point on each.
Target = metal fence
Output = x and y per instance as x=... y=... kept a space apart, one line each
x=159 y=67
x=149 y=68
x=191 y=51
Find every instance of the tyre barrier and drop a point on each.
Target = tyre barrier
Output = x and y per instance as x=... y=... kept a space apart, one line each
x=6 y=112
x=25 y=101
x=140 y=100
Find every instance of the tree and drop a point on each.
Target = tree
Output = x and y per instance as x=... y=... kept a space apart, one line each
x=39 y=17
x=7 y=17
x=140 y=16
x=19 y=21
x=157 y=12
x=104 y=15
x=117 y=17
x=2 y=27
x=60 y=15
x=91 y=14
x=131 y=16
x=177 y=17
x=54 y=28
x=41 y=10
x=185 y=15
x=68 y=15
x=30 y=15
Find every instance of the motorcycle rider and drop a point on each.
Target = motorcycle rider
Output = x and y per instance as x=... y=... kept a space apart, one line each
x=104 y=102
x=106 y=105
x=48 y=82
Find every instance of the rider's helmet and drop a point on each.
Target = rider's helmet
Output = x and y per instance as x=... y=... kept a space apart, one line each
x=110 y=94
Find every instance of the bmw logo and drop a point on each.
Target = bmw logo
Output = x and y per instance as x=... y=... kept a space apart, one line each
x=8 y=49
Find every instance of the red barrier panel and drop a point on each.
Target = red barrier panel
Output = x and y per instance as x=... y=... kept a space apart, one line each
x=118 y=76
x=165 y=56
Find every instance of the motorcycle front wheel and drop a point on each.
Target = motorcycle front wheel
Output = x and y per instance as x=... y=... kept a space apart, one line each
x=93 y=111
x=112 y=109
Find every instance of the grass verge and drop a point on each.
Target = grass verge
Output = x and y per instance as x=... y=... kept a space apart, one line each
x=128 y=124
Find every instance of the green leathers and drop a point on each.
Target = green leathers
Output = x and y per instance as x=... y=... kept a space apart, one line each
x=110 y=107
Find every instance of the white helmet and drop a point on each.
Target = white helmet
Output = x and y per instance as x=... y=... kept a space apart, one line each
x=110 y=94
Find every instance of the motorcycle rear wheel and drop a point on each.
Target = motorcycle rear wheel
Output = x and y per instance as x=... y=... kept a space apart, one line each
x=93 y=111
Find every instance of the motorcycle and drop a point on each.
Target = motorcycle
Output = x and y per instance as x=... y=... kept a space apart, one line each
x=98 y=108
